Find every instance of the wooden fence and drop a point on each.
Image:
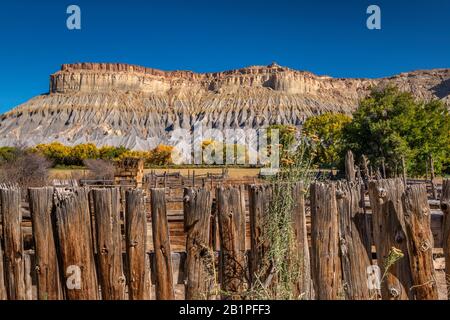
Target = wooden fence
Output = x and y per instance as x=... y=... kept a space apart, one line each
x=92 y=243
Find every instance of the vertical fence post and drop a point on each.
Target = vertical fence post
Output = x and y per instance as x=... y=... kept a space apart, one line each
x=161 y=243
x=200 y=259
x=418 y=226
x=258 y=210
x=354 y=255
x=232 y=258
x=445 y=206
x=3 y=291
x=75 y=244
x=304 y=287
x=324 y=239
x=390 y=236
x=13 y=245
x=404 y=171
x=135 y=242
x=350 y=171
x=433 y=178
x=41 y=208
x=27 y=276
x=106 y=205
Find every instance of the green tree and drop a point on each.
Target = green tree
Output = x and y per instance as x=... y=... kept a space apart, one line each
x=84 y=151
x=111 y=153
x=56 y=152
x=327 y=130
x=7 y=154
x=390 y=124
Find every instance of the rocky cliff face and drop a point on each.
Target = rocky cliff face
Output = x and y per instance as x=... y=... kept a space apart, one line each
x=119 y=104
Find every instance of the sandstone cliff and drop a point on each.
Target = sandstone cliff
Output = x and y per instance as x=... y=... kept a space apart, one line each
x=119 y=104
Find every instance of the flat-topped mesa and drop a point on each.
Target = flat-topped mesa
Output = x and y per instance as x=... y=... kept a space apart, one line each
x=137 y=107
x=104 y=77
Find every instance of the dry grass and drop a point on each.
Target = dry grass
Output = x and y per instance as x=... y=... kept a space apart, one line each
x=234 y=173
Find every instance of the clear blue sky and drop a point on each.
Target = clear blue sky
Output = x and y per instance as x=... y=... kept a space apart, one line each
x=325 y=37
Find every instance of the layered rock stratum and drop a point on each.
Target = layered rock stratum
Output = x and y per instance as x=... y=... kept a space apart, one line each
x=138 y=107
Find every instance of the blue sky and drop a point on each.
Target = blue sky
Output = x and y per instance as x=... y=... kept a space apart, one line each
x=325 y=37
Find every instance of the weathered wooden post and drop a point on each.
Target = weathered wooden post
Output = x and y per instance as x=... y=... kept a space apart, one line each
x=13 y=244
x=75 y=244
x=48 y=279
x=383 y=167
x=304 y=287
x=232 y=258
x=138 y=276
x=200 y=259
x=390 y=238
x=161 y=244
x=324 y=239
x=3 y=291
x=365 y=168
x=405 y=180
x=350 y=171
x=445 y=206
x=354 y=255
x=259 y=245
x=27 y=276
x=433 y=178
x=109 y=242
x=418 y=227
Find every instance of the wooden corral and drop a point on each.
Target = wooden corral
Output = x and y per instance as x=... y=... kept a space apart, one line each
x=129 y=171
x=211 y=241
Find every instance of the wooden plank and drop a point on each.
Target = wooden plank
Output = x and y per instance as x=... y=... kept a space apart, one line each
x=324 y=241
x=106 y=205
x=305 y=285
x=200 y=257
x=404 y=171
x=13 y=245
x=258 y=211
x=75 y=244
x=3 y=289
x=418 y=220
x=389 y=232
x=445 y=206
x=366 y=220
x=161 y=242
x=354 y=255
x=48 y=281
x=350 y=172
x=27 y=276
x=433 y=179
x=138 y=275
x=232 y=257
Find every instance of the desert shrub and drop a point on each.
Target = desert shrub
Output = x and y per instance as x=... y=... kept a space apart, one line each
x=25 y=168
x=282 y=256
x=100 y=169
x=7 y=153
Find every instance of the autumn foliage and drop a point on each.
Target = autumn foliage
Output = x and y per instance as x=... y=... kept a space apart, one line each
x=62 y=155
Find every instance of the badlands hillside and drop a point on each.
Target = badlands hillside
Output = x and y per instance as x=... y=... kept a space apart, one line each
x=119 y=104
